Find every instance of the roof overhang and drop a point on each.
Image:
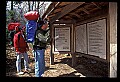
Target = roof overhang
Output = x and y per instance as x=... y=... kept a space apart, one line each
x=73 y=11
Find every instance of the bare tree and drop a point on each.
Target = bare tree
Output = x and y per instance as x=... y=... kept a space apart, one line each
x=11 y=5
x=35 y=4
x=6 y=3
x=38 y=6
x=28 y=5
x=32 y=4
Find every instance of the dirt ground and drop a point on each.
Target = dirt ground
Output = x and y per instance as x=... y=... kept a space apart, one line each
x=62 y=67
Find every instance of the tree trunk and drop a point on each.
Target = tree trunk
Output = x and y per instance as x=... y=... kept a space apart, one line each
x=11 y=5
x=35 y=5
x=32 y=5
x=6 y=3
x=38 y=6
x=28 y=5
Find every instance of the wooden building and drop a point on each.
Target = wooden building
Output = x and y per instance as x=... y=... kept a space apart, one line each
x=85 y=28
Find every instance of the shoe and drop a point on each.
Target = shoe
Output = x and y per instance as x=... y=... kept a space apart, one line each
x=27 y=70
x=20 y=73
x=12 y=48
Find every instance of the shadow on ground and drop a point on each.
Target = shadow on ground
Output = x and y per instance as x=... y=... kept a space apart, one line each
x=86 y=68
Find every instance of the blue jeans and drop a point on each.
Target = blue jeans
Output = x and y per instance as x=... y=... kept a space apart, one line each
x=39 y=62
x=18 y=61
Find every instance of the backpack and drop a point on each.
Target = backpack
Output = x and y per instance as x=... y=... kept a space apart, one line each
x=41 y=36
x=41 y=39
x=11 y=26
x=31 y=15
x=31 y=27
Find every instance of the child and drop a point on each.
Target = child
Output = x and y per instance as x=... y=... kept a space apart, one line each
x=21 y=49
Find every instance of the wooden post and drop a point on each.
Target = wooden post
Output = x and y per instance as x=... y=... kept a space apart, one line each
x=113 y=38
x=51 y=43
x=72 y=48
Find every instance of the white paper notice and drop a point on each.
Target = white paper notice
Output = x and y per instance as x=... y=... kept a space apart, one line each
x=62 y=39
x=97 y=38
x=81 y=45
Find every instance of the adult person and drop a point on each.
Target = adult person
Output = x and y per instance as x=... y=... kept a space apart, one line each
x=21 y=49
x=39 y=47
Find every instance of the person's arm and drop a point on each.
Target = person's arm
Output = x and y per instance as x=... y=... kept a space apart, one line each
x=15 y=40
x=27 y=47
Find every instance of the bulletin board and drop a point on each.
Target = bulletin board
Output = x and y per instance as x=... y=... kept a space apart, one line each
x=81 y=43
x=62 y=39
x=91 y=38
x=97 y=38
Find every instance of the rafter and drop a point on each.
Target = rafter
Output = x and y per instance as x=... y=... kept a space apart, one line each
x=51 y=15
x=96 y=5
x=57 y=10
x=68 y=17
x=75 y=15
x=83 y=9
x=51 y=8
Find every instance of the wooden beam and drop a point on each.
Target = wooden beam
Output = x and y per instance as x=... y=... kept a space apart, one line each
x=64 y=3
x=79 y=16
x=83 y=9
x=52 y=44
x=92 y=10
x=51 y=15
x=113 y=39
x=96 y=5
x=74 y=59
x=57 y=10
x=66 y=10
x=68 y=17
x=50 y=8
x=75 y=15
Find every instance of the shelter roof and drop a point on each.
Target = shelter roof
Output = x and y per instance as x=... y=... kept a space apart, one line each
x=75 y=11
